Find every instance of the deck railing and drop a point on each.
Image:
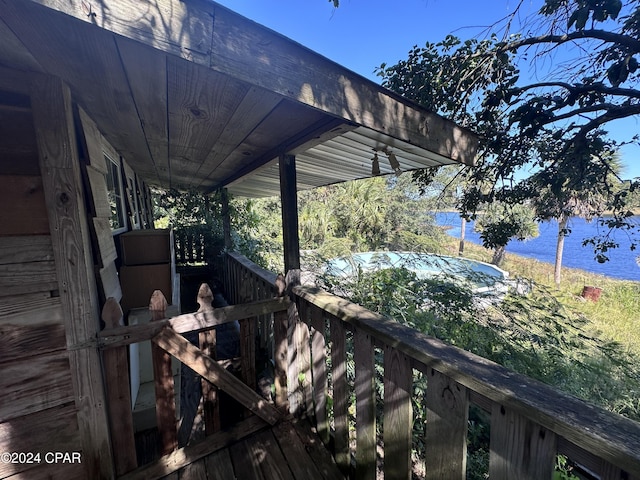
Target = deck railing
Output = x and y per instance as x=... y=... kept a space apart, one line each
x=531 y=423
x=166 y=335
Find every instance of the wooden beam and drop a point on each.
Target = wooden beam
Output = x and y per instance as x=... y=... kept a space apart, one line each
x=288 y=194
x=59 y=164
x=204 y=365
x=190 y=322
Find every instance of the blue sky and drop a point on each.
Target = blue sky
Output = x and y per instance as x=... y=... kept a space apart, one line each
x=362 y=34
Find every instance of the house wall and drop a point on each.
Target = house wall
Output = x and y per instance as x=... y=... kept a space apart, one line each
x=38 y=412
x=59 y=263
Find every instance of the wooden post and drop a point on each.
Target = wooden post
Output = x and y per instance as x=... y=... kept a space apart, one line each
x=165 y=392
x=398 y=424
x=446 y=433
x=291 y=244
x=280 y=320
x=290 y=235
x=116 y=371
x=519 y=447
x=226 y=219
x=210 y=404
x=64 y=196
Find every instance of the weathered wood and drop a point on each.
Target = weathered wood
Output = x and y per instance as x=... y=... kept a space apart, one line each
x=194 y=471
x=31 y=309
x=21 y=337
x=295 y=452
x=447 y=407
x=303 y=359
x=219 y=465
x=244 y=465
x=191 y=453
x=93 y=141
x=248 y=351
x=210 y=404
x=28 y=214
x=617 y=439
x=398 y=421
x=27 y=265
x=59 y=164
x=163 y=375
x=46 y=383
x=104 y=237
x=340 y=393
x=190 y=322
x=316 y=450
x=33 y=432
x=319 y=372
x=191 y=356
x=280 y=322
x=149 y=88
x=31 y=277
x=365 y=406
x=519 y=447
x=25 y=249
x=109 y=283
x=266 y=452
x=99 y=193
x=116 y=379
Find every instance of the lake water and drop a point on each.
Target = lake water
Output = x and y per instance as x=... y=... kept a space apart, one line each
x=622 y=261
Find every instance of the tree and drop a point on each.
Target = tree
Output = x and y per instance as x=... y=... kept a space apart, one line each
x=564 y=195
x=520 y=121
x=500 y=223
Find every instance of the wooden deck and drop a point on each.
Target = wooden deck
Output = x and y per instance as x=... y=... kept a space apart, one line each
x=287 y=451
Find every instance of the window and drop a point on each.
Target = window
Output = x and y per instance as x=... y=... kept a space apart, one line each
x=114 y=187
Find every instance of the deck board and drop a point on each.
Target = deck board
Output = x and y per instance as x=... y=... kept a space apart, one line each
x=288 y=451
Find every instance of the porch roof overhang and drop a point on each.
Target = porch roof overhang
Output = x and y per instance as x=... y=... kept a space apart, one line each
x=193 y=95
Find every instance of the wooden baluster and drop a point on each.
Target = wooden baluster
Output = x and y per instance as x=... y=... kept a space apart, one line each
x=163 y=375
x=519 y=447
x=303 y=359
x=116 y=369
x=398 y=424
x=340 y=394
x=280 y=320
x=364 y=357
x=210 y=404
x=248 y=335
x=447 y=407
x=319 y=369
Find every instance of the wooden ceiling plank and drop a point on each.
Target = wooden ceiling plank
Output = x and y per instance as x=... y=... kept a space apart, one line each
x=255 y=54
x=145 y=69
x=201 y=102
x=253 y=108
x=86 y=59
x=13 y=53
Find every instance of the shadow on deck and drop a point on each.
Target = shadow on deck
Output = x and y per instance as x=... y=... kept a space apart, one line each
x=289 y=450
x=243 y=447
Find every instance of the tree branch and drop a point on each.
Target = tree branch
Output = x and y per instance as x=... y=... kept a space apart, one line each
x=583 y=88
x=608 y=37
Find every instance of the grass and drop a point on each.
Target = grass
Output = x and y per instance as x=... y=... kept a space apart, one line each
x=615 y=316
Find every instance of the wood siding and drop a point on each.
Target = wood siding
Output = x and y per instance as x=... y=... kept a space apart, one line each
x=35 y=378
